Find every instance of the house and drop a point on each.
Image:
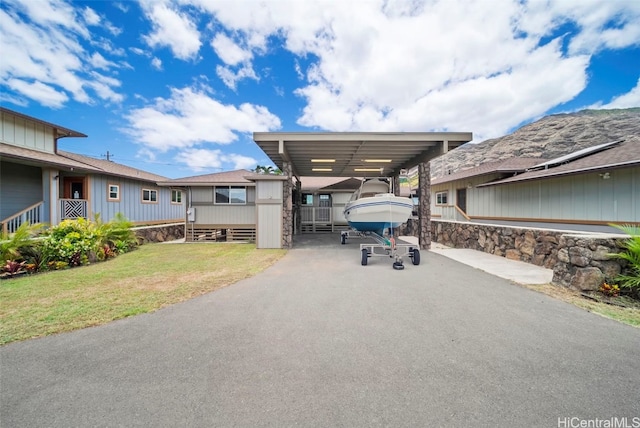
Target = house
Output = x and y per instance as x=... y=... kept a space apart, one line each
x=42 y=184
x=219 y=206
x=322 y=201
x=589 y=188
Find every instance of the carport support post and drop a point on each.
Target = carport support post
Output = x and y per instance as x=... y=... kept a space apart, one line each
x=298 y=209
x=287 y=206
x=424 y=211
x=396 y=185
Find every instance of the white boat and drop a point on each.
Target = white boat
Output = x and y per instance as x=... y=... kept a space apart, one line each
x=373 y=208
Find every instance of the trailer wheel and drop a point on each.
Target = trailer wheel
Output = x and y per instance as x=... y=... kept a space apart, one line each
x=365 y=256
x=415 y=257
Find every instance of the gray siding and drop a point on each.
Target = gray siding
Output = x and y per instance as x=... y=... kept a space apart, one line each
x=269 y=233
x=18 y=131
x=130 y=203
x=20 y=187
x=577 y=197
x=240 y=215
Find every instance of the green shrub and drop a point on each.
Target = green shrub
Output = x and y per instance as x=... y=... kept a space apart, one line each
x=630 y=278
x=13 y=245
x=77 y=242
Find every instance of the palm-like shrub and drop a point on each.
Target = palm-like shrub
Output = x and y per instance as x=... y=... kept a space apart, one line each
x=13 y=245
x=630 y=279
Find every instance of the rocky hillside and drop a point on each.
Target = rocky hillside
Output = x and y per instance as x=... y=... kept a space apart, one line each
x=549 y=137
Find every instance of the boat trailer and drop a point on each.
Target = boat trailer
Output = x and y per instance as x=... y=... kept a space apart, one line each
x=385 y=246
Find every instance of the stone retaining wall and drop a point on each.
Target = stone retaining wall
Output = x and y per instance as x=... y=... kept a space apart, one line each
x=578 y=261
x=159 y=233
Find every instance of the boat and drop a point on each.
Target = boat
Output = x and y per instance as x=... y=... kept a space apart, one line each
x=374 y=208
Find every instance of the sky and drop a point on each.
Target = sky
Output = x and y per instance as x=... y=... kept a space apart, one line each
x=177 y=87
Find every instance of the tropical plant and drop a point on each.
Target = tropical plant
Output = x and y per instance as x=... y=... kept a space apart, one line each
x=267 y=170
x=630 y=278
x=12 y=245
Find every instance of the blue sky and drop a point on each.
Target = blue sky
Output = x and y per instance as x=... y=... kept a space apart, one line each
x=176 y=87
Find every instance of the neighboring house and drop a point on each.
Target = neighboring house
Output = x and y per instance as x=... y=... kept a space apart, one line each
x=41 y=184
x=322 y=202
x=594 y=186
x=219 y=206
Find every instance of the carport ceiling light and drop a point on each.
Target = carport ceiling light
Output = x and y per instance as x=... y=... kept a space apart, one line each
x=368 y=169
x=323 y=160
x=322 y=169
x=378 y=160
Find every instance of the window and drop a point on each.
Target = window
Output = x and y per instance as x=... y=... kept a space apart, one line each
x=113 y=192
x=307 y=199
x=231 y=195
x=441 y=198
x=150 y=196
x=176 y=197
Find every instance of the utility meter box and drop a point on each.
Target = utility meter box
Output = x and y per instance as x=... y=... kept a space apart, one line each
x=191 y=214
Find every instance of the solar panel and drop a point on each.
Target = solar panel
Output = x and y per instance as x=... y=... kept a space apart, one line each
x=575 y=155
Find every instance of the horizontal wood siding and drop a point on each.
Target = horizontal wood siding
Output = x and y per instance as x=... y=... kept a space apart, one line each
x=20 y=187
x=18 y=131
x=226 y=214
x=130 y=203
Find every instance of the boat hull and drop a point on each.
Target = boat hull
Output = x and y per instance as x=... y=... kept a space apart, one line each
x=374 y=214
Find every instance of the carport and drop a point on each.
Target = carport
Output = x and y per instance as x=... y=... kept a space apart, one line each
x=354 y=154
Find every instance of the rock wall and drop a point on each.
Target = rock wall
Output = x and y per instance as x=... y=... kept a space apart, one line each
x=159 y=233
x=579 y=261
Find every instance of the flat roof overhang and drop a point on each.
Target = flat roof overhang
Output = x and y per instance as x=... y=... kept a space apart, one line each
x=350 y=154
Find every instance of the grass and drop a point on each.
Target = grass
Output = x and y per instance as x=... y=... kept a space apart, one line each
x=153 y=276
x=628 y=315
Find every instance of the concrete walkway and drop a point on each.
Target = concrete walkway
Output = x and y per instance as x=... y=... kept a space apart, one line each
x=317 y=340
x=513 y=270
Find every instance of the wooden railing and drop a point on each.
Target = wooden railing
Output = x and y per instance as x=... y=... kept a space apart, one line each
x=31 y=215
x=73 y=208
x=453 y=212
x=316 y=215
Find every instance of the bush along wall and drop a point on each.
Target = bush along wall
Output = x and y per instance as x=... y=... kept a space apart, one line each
x=579 y=261
x=69 y=244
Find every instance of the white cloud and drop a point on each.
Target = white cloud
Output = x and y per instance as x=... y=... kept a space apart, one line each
x=241 y=162
x=205 y=159
x=90 y=16
x=43 y=54
x=191 y=117
x=628 y=100
x=98 y=61
x=46 y=94
x=459 y=64
x=172 y=29
x=156 y=63
x=228 y=51
x=231 y=78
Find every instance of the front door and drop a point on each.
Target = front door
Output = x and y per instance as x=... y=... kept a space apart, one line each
x=74 y=188
x=324 y=211
x=461 y=199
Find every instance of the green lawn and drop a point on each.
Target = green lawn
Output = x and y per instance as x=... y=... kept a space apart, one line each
x=153 y=276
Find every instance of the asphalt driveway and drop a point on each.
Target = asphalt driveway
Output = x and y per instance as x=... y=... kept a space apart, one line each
x=318 y=340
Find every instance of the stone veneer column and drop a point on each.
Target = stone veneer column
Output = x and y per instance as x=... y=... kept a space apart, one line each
x=424 y=211
x=287 y=207
x=298 y=207
x=396 y=185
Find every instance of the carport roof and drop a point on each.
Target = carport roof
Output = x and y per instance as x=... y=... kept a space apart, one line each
x=349 y=154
